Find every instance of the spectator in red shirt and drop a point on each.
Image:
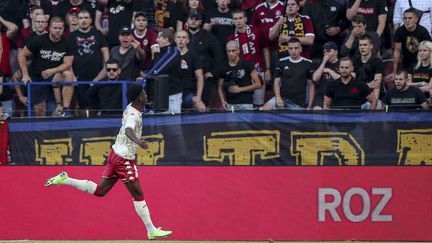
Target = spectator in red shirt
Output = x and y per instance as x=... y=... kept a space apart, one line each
x=293 y=25
x=251 y=41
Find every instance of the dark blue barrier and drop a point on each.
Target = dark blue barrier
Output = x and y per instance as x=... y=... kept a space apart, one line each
x=240 y=138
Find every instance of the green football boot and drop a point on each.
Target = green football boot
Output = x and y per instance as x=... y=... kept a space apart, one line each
x=158 y=234
x=57 y=180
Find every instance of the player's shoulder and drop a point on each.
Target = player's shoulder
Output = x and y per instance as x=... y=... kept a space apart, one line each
x=131 y=112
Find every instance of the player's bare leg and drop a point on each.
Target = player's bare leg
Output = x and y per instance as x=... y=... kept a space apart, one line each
x=143 y=211
x=105 y=185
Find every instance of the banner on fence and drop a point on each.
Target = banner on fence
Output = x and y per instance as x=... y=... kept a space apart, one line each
x=235 y=139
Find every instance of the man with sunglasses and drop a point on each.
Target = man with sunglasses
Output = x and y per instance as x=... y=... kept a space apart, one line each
x=107 y=98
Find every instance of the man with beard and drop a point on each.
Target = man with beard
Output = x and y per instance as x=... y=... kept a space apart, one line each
x=347 y=92
x=208 y=49
x=404 y=96
x=90 y=51
x=52 y=60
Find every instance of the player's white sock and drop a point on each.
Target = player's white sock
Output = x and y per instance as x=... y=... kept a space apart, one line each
x=143 y=212
x=82 y=185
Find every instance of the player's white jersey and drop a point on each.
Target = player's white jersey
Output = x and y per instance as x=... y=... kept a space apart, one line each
x=123 y=146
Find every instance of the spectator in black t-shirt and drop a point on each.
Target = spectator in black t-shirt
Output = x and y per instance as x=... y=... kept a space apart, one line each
x=351 y=43
x=90 y=51
x=191 y=74
x=421 y=75
x=293 y=86
x=404 y=96
x=327 y=72
x=187 y=7
x=52 y=60
x=329 y=21
x=64 y=7
x=37 y=27
x=107 y=98
x=166 y=14
x=239 y=80
x=219 y=22
x=346 y=92
x=375 y=13
x=407 y=39
x=369 y=68
x=120 y=13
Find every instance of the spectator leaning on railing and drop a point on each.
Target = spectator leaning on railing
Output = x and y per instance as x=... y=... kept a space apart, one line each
x=52 y=59
x=90 y=51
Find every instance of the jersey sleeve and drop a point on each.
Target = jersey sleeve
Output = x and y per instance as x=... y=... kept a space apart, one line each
x=131 y=120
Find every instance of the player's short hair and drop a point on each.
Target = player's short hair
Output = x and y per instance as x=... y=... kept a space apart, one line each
x=134 y=92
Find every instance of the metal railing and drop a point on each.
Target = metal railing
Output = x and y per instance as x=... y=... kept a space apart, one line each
x=29 y=85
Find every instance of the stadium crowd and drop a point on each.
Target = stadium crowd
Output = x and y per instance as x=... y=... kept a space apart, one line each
x=217 y=54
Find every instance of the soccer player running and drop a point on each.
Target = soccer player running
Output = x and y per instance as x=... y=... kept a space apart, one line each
x=121 y=163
